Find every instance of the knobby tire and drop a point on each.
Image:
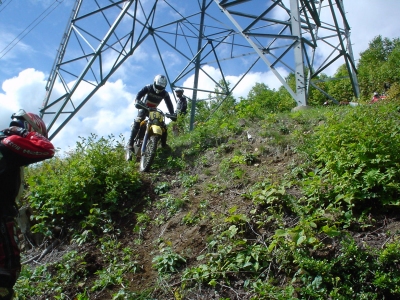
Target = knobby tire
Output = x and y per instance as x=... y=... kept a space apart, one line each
x=150 y=153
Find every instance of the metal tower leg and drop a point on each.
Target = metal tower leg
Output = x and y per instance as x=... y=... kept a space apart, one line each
x=213 y=41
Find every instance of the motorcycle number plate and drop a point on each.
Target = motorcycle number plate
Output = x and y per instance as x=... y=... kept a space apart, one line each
x=156 y=115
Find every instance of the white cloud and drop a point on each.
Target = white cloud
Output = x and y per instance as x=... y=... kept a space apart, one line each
x=109 y=112
x=377 y=17
x=241 y=90
x=24 y=91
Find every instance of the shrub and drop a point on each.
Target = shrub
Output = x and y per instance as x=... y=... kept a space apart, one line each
x=357 y=156
x=95 y=174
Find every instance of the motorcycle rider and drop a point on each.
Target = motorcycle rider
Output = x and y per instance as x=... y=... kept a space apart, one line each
x=23 y=143
x=375 y=98
x=181 y=105
x=151 y=95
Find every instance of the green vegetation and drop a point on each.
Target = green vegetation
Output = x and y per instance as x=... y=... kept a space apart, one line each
x=304 y=209
x=85 y=187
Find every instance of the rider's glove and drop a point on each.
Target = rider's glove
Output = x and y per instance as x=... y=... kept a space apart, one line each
x=174 y=117
x=15 y=130
x=138 y=104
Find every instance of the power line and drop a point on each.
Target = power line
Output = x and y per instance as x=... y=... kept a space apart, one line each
x=5 y=5
x=11 y=47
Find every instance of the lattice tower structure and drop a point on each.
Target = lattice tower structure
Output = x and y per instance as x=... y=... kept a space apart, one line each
x=194 y=41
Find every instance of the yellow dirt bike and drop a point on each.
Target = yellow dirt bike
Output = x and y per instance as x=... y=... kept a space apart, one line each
x=150 y=132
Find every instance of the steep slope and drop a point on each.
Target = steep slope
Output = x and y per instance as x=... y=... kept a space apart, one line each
x=231 y=206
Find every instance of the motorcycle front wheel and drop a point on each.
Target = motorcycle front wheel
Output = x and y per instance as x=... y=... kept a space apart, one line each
x=149 y=154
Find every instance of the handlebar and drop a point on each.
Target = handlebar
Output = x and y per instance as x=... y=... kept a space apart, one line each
x=171 y=116
x=140 y=105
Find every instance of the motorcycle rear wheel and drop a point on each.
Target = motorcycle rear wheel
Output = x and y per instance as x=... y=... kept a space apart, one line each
x=149 y=154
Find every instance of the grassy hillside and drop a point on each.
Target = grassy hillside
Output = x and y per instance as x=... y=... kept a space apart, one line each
x=295 y=205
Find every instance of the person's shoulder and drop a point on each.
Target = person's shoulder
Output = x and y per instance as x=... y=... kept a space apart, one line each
x=166 y=94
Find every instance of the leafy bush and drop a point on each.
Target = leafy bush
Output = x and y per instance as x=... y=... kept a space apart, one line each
x=357 y=156
x=168 y=261
x=95 y=174
x=260 y=101
x=284 y=238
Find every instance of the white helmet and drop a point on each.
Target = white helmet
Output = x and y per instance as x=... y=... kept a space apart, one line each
x=159 y=84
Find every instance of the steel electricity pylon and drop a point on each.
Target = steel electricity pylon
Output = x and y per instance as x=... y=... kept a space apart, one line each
x=191 y=40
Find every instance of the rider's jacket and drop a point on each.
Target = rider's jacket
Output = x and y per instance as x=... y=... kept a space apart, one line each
x=153 y=99
x=15 y=153
x=182 y=105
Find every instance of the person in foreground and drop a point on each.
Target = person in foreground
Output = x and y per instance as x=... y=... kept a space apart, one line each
x=151 y=95
x=24 y=142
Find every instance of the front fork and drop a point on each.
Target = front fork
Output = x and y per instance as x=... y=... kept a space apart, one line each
x=151 y=129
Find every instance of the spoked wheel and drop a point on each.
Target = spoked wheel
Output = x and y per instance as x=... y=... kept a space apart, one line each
x=149 y=154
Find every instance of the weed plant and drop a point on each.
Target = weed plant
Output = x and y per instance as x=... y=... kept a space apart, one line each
x=284 y=245
x=93 y=176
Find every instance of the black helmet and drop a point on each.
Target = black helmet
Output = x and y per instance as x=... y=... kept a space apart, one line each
x=159 y=84
x=179 y=90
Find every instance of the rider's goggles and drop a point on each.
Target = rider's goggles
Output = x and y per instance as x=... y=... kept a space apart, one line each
x=21 y=119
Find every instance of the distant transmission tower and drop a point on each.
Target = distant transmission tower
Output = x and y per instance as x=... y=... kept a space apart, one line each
x=234 y=37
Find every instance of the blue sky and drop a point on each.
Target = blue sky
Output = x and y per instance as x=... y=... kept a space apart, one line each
x=30 y=34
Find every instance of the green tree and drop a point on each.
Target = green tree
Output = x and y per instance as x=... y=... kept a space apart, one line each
x=223 y=102
x=391 y=68
x=202 y=111
x=286 y=101
x=315 y=97
x=378 y=64
x=262 y=100
x=339 y=87
x=218 y=105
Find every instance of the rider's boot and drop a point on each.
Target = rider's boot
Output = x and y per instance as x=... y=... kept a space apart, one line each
x=164 y=142
x=130 y=144
x=134 y=132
